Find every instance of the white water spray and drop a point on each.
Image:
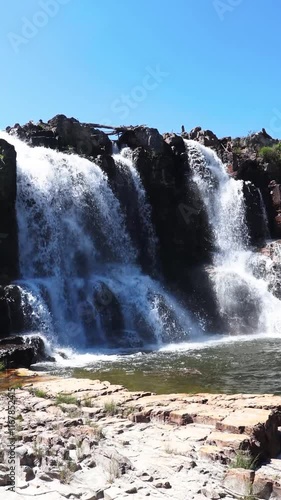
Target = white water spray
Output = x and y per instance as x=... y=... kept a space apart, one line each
x=81 y=285
x=124 y=162
x=244 y=299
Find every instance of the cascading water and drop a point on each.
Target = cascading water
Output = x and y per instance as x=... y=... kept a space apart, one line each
x=129 y=173
x=244 y=299
x=80 y=281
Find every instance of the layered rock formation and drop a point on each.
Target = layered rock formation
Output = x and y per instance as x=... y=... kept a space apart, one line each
x=102 y=441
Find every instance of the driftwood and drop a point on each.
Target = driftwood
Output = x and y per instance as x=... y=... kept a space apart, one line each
x=114 y=130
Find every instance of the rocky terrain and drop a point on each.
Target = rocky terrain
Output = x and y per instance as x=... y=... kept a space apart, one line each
x=88 y=439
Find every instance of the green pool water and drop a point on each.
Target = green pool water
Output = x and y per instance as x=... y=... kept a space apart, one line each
x=234 y=366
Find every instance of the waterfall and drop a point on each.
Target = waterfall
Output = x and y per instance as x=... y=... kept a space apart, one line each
x=243 y=298
x=80 y=278
x=125 y=164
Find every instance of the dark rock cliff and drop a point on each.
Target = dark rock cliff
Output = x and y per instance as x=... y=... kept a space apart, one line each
x=8 y=224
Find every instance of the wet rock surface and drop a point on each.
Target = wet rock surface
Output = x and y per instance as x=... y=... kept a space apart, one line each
x=22 y=352
x=8 y=224
x=64 y=134
x=89 y=439
x=269 y=267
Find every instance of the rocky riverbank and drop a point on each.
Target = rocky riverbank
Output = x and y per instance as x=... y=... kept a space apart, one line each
x=86 y=439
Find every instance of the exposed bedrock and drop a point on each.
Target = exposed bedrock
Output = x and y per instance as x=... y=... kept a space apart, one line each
x=8 y=224
x=11 y=311
x=64 y=134
x=179 y=218
x=252 y=171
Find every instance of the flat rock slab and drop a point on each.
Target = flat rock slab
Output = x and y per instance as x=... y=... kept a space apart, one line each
x=227 y=439
x=244 y=421
x=136 y=444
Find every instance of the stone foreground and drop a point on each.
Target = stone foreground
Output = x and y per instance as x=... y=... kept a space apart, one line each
x=88 y=439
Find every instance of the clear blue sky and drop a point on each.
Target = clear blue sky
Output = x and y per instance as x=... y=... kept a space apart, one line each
x=217 y=63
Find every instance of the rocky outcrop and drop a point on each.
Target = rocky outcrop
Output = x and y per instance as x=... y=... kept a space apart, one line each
x=257 y=219
x=8 y=224
x=269 y=268
x=64 y=134
x=145 y=137
x=275 y=192
x=178 y=216
x=251 y=171
x=22 y=351
x=11 y=311
x=102 y=441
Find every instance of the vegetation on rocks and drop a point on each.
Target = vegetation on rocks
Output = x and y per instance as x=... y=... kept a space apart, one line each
x=66 y=399
x=271 y=154
x=39 y=393
x=110 y=408
x=243 y=460
x=171 y=445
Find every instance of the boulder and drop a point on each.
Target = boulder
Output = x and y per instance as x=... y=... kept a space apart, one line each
x=239 y=481
x=175 y=142
x=84 y=138
x=64 y=134
x=252 y=171
x=205 y=137
x=22 y=352
x=145 y=137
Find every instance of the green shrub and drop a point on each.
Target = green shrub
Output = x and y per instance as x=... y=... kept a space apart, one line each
x=237 y=150
x=243 y=460
x=66 y=399
x=110 y=408
x=271 y=154
x=66 y=473
x=39 y=393
x=87 y=403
